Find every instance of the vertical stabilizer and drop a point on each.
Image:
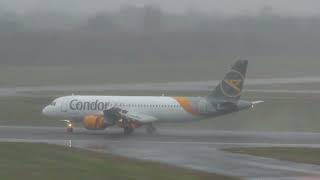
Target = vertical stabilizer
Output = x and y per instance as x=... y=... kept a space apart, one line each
x=230 y=87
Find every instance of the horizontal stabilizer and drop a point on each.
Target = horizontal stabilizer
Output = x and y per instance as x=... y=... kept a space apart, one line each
x=253 y=103
x=256 y=102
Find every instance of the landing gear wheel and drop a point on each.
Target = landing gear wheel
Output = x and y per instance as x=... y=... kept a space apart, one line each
x=70 y=129
x=150 y=129
x=128 y=131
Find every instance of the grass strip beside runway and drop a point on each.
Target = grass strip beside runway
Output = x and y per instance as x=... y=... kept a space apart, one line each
x=41 y=161
x=299 y=155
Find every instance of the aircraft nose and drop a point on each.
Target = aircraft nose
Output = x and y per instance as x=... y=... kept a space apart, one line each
x=45 y=110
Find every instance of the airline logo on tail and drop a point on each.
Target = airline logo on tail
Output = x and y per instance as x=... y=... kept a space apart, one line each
x=231 y=86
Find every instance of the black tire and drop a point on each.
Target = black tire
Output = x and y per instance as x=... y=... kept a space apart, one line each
x=70 y=130
x=128 y=131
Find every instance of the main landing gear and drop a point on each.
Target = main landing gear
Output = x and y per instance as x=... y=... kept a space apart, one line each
x=150 y=129
x=129 y=126
x=128 y=130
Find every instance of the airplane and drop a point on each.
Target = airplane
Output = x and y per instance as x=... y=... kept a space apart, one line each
x=131 y=112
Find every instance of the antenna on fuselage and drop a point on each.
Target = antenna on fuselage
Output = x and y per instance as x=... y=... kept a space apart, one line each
x=164 y=93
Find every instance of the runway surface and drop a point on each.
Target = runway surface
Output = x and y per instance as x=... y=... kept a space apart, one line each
x=194 y=149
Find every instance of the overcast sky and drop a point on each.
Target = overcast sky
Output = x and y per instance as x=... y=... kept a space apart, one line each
x=305 y=7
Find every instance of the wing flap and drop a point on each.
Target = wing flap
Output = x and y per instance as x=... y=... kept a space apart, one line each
x=138 y=117
x=114 y=114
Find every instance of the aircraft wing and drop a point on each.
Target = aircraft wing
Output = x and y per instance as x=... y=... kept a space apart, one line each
x=118 y=113
x=143 y=118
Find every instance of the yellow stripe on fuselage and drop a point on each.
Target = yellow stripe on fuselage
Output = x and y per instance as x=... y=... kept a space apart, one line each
x=185 y=104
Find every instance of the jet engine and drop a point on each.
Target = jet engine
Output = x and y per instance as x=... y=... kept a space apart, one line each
x=95 y=122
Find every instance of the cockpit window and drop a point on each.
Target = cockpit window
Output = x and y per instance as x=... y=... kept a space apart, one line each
x=53 y=104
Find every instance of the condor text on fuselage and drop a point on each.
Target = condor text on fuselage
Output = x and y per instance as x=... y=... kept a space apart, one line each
x=77 y=105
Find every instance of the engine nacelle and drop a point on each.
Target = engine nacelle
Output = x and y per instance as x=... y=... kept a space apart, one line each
x=95 y=122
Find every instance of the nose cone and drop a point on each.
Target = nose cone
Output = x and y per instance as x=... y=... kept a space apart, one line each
x=45 y=111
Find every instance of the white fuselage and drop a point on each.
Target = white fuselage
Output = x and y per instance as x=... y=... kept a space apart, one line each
x=160 y=107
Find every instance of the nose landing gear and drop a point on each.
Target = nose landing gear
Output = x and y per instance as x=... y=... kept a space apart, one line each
x=69 y=128
x=69 y=125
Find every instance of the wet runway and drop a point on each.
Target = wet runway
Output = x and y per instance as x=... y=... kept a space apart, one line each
x=186 y=148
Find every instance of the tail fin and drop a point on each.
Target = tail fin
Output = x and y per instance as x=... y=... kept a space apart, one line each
x=230 y=87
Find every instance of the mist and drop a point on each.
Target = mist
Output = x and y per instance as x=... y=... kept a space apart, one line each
x=36 y=32
x=305 y=7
